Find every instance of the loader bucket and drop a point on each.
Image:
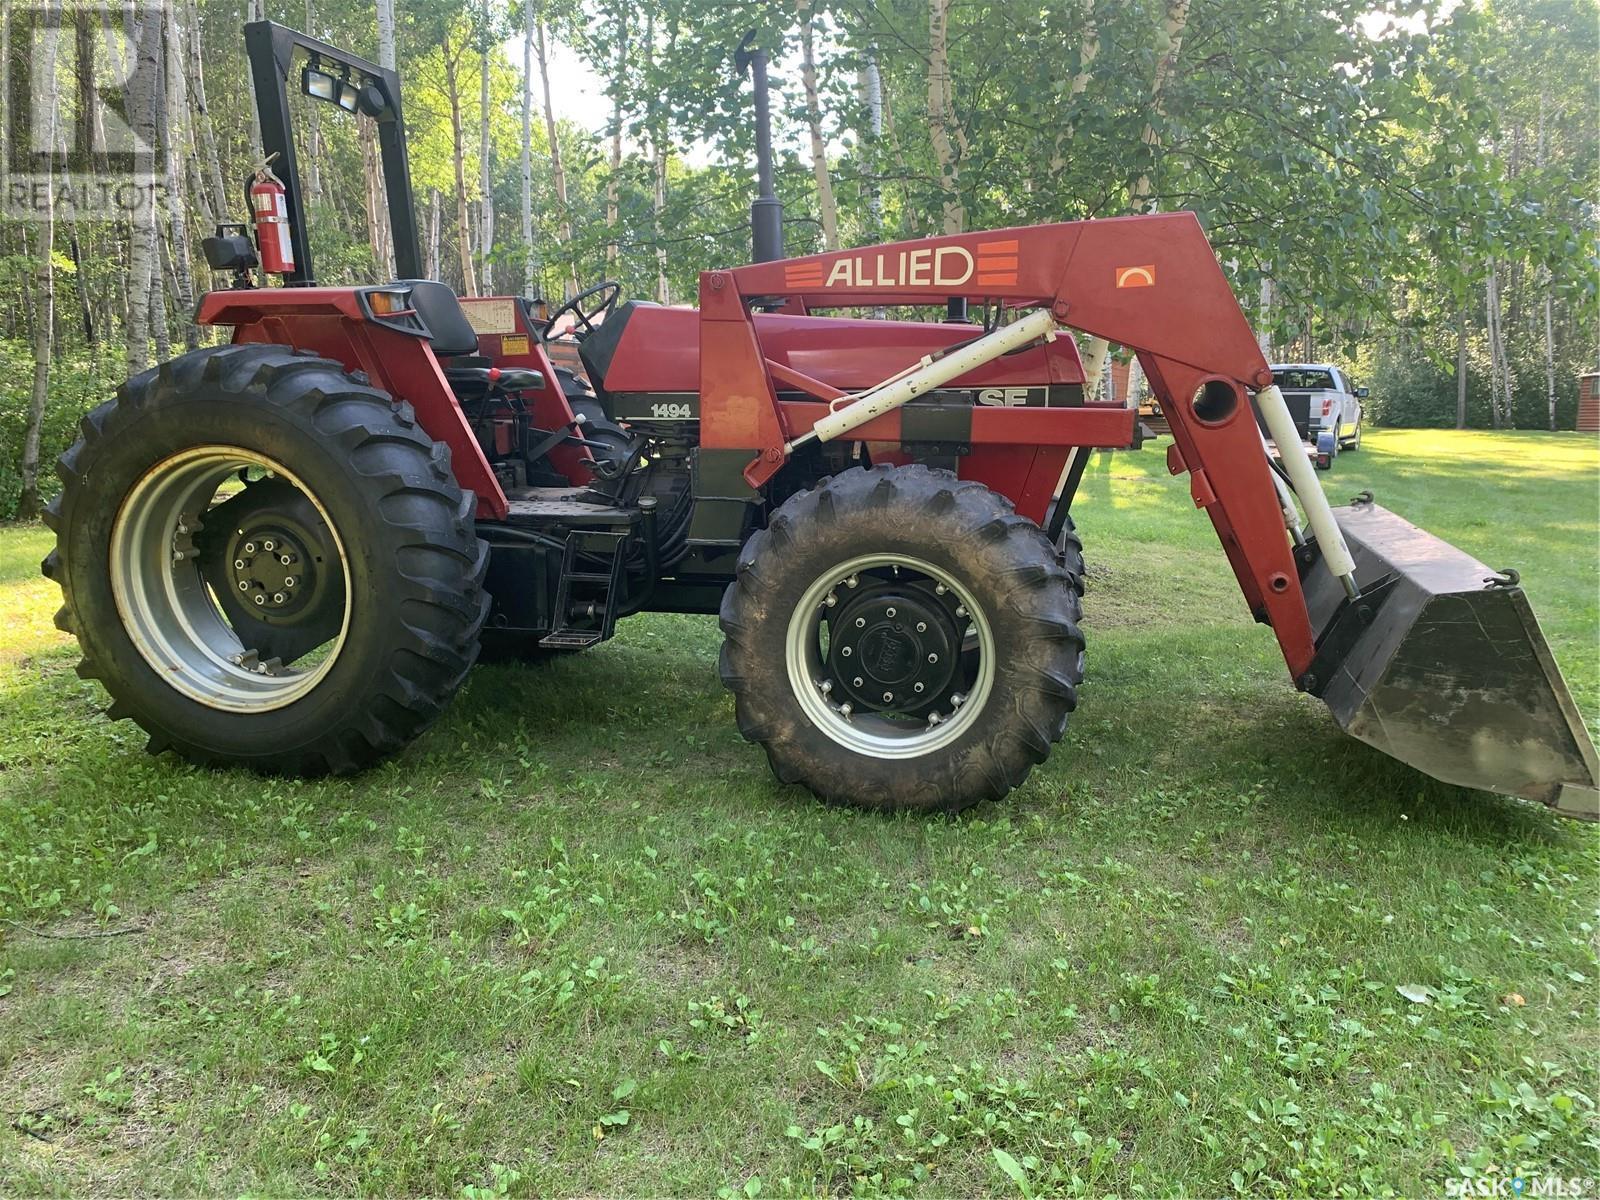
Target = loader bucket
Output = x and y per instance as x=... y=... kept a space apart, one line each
x=1442 y=665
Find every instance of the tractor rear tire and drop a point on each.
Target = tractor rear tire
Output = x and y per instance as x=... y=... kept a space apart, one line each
x=384 y=533
x=941 y=572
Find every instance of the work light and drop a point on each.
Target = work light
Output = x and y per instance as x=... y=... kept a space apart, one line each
x=317 y=83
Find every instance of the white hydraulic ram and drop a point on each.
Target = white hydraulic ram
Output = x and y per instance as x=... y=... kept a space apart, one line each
x=932 y=372
x=1319 y=513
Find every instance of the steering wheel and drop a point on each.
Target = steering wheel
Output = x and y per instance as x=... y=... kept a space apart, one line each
x=610 y=289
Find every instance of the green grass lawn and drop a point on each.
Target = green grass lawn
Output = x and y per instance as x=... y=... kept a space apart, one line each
x=577 y=940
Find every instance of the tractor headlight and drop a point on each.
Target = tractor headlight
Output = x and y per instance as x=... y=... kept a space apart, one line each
x=317 y=83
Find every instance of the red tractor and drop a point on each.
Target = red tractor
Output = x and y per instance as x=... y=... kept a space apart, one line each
x=287 y=552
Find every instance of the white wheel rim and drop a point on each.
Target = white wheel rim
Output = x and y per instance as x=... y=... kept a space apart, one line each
x=167 y=608
x=874 y=734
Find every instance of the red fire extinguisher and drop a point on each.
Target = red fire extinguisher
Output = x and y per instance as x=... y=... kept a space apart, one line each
x=271 y=210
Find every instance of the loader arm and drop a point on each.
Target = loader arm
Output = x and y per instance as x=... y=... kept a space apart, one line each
x=1149 y=283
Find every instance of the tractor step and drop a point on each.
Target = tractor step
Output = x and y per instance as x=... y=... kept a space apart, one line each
x=589 y=597
x=570 y=639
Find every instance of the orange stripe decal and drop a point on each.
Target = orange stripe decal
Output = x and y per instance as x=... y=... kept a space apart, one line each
x=1009 y=279
x=1132 y=277
x=997 y=263
x=1008 y=247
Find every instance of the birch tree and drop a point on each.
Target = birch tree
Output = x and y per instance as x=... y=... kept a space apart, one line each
x=939 y=115
x=530 y=256
x=44 y=295
x=557 y=170
x=145 y=35
x=469 y=282
x=827 y=209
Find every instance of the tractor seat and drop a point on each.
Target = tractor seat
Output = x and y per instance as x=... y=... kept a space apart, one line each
x=479 y=377
x=453 y=340
x=450 y=333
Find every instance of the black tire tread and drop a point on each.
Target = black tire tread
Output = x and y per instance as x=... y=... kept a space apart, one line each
x=442 y=609
x=1039 y=594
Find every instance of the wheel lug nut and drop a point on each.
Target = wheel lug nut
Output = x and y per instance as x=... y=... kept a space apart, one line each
x=922 y=627
x=285 y=560
x=825 y=686
x=858 y=681
x=244 y=585
x=961 y=611
x=939 y=589
x=278 y=597
x=889 y=612
x=918 y=687
x=249 y=547
x=290 y=581
x=831 y=600
x=860 y=622
x=238 y=564
x=269 y=545
x=853 y=581
x=845 y=651
x=845 y=710
x=888 y=697
x=934 y=718
x=260 y=599
x=933 y=658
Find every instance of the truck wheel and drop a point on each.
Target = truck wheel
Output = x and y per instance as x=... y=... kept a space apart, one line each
x=266 y=562
x=898 y=639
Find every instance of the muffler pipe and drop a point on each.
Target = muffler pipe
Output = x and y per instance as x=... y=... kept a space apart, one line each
x=1319 y=513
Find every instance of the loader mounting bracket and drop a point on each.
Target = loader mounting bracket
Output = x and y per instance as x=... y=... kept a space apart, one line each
x=1350 y=620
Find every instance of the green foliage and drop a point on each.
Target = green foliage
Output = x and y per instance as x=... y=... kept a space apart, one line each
x=77 y=383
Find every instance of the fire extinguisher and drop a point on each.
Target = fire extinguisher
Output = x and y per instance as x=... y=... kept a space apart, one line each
x=269 y=204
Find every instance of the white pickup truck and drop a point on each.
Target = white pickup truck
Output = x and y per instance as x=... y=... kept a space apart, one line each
x=1321 y=398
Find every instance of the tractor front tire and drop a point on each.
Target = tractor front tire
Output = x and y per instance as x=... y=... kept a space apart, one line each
x=266 y=562
x=899 y=639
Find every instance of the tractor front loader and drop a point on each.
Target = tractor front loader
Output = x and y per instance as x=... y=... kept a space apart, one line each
x=287 y=552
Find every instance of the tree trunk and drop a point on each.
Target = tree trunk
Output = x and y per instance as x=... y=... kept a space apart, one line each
x=178 y=225
x=204 y=131
x=530 y=256
x=1497 y=362
x=433 y=233
x=386 y=33
x=485 y=167
x=313 y=135
x=1461 y=367
x=826 y=207
x=1172 y=41
x=380 y=230
x=469 y=285
x=44 y=296
x=955 y=215
x=81 y=285
x=1549 y=324
x=619 y=84
x=558 y=173
x=145 y=36
x=872 y=102
x=654 y=119
x=1088 y=51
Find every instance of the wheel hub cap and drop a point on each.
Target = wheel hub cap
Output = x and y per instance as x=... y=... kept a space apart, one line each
x=893 y=649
